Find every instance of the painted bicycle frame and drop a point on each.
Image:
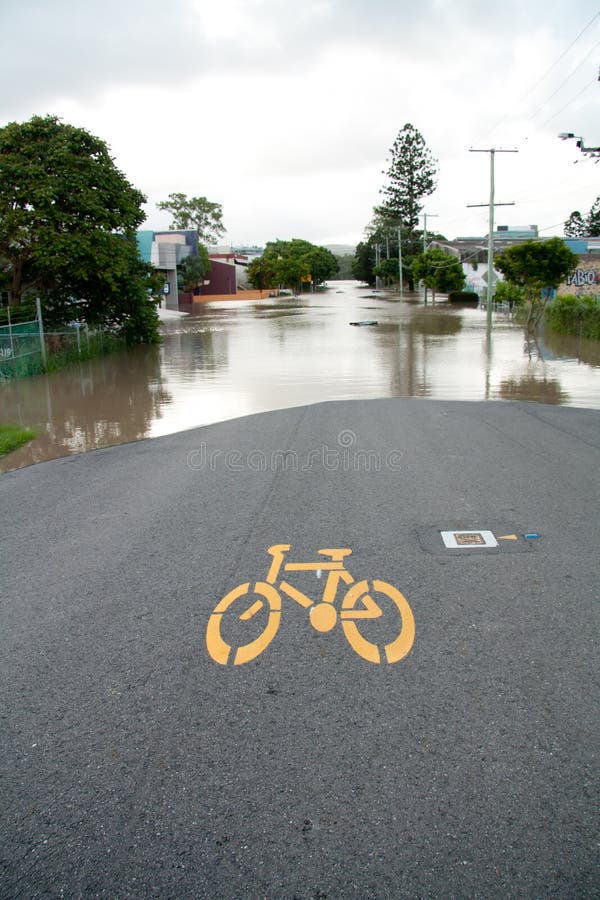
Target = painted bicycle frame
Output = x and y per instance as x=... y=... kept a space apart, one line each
x=357 y=605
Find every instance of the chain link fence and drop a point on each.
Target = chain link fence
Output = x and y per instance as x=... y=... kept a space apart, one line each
x=22 y=349
x=25 y=349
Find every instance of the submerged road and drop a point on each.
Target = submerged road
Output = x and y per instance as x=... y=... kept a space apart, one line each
x=158 y=740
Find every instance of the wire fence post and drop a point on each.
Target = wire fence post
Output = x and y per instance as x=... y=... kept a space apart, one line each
x=38 y=307
x=12 y=344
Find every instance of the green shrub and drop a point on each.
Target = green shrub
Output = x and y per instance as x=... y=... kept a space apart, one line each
x=570 y=314
x=509 y=293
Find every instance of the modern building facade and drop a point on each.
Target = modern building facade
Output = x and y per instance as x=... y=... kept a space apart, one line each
x=166 y=250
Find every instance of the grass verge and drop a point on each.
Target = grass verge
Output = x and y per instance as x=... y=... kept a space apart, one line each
x=578 y=315
x=12 y=436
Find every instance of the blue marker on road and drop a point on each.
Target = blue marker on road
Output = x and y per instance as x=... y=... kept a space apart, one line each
x=531 y=537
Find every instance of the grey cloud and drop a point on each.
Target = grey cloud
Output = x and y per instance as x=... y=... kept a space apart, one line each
x=414 y=26
x=65 y=48
x=80 y=48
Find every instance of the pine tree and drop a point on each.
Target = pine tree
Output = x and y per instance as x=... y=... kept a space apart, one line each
x=593 y=219
x=412 y=175
x=575 y=226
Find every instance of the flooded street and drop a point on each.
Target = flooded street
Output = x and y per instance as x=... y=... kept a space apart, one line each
x=240 y=357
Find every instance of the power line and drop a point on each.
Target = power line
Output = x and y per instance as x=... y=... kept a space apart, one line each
x=455 y=259
x=548 y=227
x=564 y=53
x=556 y=190
x=561 y=85
x=572 y=100
x=546 y=73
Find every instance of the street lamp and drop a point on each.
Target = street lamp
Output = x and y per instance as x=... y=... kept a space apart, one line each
x=580 y=143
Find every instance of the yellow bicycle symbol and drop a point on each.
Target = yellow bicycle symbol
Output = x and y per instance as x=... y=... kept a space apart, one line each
x=357 y=605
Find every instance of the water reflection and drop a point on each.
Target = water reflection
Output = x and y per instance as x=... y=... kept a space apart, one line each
x=207 y=352
x=437 y=321
x=545 y=390
x=567 y=346
x=105 y=401
x=241 y=357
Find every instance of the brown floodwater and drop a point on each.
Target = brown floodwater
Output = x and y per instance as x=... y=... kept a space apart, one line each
x=234 y=358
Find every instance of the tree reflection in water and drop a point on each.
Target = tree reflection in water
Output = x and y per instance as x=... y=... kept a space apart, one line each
x=104 y=401
x=542 y=390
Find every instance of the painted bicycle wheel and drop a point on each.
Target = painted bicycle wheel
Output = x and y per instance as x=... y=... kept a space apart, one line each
x=256 y=606
x=359 y=606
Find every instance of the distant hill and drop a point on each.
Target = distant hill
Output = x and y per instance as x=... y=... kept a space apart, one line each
x=341 y=249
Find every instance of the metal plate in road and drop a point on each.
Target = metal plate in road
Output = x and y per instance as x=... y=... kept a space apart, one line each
x=464 y=541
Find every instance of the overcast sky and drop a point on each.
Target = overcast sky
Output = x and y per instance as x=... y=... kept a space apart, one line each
x=284 y=111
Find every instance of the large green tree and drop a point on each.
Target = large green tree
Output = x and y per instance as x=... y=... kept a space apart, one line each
x=386 y=235
x=297 y=260
x=388 y=270
x=412 y=175
x=536 y=266
x=194 y=269
x=196 y=213
x=364 y=262
x=68 y=218
x=262 y=273
x=439 y=271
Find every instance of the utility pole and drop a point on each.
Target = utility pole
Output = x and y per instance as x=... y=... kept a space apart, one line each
x=491 y=204
x=431 y=215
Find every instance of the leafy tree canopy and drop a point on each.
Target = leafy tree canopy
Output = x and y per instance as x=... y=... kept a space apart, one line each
x=196 y=213
x=262 y=273
x=364 y=262
x=295 y=260
x=385 y=233
x=439 y=271
x=535 y=265
x=194 y=269
x=388 y=270
x=505 y=292
x=412 y=175
x=68 y=218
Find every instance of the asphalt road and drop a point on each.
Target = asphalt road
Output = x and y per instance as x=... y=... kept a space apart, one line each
x=134 y=764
